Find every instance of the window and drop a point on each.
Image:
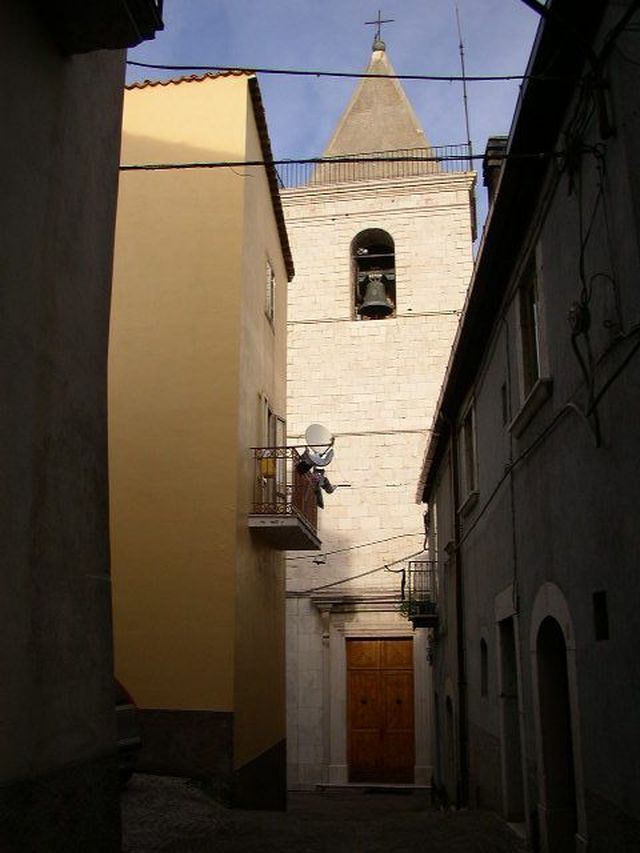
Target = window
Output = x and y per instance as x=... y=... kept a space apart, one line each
x=484 y=668
x=374 y=275
x=529 y=328
x=270 y=291
x=504 y=398
x=468 y=454
x=272 y=464
x=600 y=615
x=272 y=427
x=536 y=385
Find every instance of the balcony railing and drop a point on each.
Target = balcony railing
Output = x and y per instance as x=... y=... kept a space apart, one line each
x=285 y=506
x=377 y=165
x=421 y=593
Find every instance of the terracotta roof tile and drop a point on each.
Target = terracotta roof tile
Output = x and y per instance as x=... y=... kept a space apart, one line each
x=191 y=78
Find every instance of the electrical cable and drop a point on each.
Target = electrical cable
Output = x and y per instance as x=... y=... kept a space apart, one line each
x=404 y=316
x=225 y=164
x=352 y=547
x=303 y=592
x=296 y=72
x=609 y=382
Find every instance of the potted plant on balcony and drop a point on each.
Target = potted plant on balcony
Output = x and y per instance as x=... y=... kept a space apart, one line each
x=421 y=612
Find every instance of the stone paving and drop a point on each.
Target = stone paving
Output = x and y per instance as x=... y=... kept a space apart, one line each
x=163 y=815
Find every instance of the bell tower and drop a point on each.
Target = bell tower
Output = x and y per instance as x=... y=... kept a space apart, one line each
x=381 y=234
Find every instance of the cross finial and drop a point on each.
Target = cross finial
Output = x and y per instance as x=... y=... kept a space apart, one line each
x=378 y=44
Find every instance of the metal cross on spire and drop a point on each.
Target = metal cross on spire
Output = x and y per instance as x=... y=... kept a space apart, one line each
x=378 y=24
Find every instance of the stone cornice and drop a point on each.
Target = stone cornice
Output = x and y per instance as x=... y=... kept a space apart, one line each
x=365 y=190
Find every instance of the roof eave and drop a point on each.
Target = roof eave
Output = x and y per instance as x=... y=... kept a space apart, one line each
x=272 y=175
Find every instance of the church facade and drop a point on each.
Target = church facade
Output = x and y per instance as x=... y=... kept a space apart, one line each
x=383 y=254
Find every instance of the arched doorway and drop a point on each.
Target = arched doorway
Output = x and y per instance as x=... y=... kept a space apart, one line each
x=559 y=795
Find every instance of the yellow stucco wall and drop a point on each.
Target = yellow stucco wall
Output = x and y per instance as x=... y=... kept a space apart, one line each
x=173 y=404
x=198 y=600
x=260 y=703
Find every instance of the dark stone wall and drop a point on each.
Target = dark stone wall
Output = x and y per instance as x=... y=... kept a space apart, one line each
x=196 y=744
x=262 y=783
x=199 y=745
x=484 y=769
x=57 y=209
x=73 y=810
x=609 y=829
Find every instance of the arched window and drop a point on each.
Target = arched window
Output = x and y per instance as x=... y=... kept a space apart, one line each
x=484 y=668
x=373 y=264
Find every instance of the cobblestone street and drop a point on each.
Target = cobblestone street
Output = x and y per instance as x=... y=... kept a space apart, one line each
x=173 y=816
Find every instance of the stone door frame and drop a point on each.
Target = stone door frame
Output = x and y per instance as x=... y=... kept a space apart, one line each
x=365 y=620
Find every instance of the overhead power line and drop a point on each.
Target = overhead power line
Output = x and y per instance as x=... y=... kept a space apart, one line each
x=351 y=547
x=298 y=593
x=227 y=164
x=298 y=72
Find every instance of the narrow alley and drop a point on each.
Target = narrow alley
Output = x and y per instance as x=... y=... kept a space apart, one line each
x=174 y=816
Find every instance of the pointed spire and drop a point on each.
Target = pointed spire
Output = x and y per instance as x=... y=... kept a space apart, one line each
x=379 y=116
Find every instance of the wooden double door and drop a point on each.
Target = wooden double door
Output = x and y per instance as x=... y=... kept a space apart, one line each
x=380 y=718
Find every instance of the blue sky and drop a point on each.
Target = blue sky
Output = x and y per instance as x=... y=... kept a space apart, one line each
x=302 y=112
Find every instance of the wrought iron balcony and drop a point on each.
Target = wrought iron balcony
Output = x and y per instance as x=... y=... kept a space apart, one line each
x=420 y=600
x=285 y=503
x=80 y=26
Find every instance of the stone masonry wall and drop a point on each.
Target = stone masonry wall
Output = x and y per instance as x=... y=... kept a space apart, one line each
x=374 y=384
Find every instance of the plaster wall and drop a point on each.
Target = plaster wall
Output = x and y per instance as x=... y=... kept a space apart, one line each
x=174 y=385
x=199 y=602
x=374 y=384
x=259 y=689
x=57 y=738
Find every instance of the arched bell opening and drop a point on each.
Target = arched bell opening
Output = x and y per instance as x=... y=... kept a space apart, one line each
x=374 y=275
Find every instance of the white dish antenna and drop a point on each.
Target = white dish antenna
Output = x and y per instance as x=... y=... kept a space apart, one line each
x=319 y=442
x=318 y=437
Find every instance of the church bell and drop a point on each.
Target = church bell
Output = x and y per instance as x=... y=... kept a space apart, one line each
x=375 y=304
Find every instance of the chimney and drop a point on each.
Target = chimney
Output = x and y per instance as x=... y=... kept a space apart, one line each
x=492 y=164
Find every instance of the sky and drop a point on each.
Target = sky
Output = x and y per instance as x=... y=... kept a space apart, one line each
x=332 y=36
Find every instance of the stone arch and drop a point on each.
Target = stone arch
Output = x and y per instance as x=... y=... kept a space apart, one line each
x=373 y=265
x=561 y=809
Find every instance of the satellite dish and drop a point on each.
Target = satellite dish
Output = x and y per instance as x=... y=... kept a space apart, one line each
x=320 y=460
x=318 y=437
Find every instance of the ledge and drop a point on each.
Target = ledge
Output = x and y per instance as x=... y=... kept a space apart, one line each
x=285 y=532
x=469 y=502
x=538 y=395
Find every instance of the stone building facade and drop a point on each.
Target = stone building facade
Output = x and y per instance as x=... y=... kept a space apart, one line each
x=374 y=383
x=532 y=475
